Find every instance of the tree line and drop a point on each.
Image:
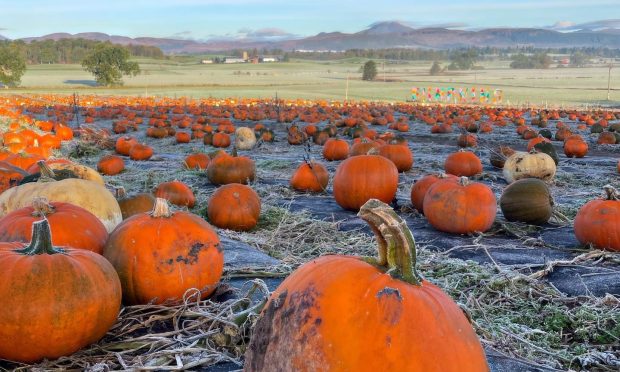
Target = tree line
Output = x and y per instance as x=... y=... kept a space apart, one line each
x=72 y=50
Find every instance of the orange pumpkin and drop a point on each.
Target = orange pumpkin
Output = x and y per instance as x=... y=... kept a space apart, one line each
x=335 y=149
x=10 y=176
x=575 y=147
x=320 y=317
x=364 y=177
x=162 y=254
x=460 y=207
x=176 y=192
x=421 y=186
x=196 y=161
x=56 y=300
x=140 y=152
x=123 y=144
x=463 y=163
x=400 y=155
x=235 y=207
x=110 y=165
x=221 y=140
x=310 y=176
x=598 y=222
x=182 y=137
x=65 y=220
x=130 y=205
x=224 y=169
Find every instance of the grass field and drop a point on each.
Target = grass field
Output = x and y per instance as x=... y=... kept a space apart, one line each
x=304 y=79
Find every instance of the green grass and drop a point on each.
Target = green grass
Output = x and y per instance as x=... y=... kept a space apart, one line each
x=328 y=80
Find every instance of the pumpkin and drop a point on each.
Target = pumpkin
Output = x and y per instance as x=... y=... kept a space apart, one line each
x=529 y=165
x=10 y=176
x=606 y=138
x=56 y=300
x=364 y=177
x=574 y=147
x=549 y=149
x=234 y=207
x=400 y=155
x=130 y=205
x=140 y=152
x=527 y=200
x=89 y=195
x=176 y=192
x=335 y=149
x=459 y=206
x=499 y=154
x=71 y=226
x=421 y=186
x=310 y=176
x=220 y=139
x=123 y=144
x=598 y=221
x=467 y=140
x=196 y=161
x=79 y=170
x=463 y=163
x=364 y=147
x=534 y=141
x=162 y=254
x=224 y=169
x=245 y=139
x=320 y=317
x=23 y=161
x=182 y=137
x=111 y=165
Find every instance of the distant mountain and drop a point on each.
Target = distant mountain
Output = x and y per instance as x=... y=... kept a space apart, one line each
x=3 y=38
x=379 y=35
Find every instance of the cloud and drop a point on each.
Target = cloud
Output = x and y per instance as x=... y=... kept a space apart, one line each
x=593 y=25
x=458 y=25
x=248 y=34
x=269 y=32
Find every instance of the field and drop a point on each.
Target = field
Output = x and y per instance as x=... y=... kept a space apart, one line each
x=537 y=298
x=328 y=80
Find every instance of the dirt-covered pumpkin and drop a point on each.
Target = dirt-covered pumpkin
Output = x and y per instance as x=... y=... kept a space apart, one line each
x=310 y=177
x=245 y=139
x=460 y=207
x=320 y=317
x=176 y=192
x=162 y=254
x=529 y=165
x=71 y=225
x=364 y=177
x=89 y=195
x=234 y=207
x=55 y=300
x=463 y=163
x=224 y=169
x=598 y=221
x=527 y=200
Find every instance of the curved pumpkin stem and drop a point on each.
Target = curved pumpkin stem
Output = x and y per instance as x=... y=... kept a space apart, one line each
x=397 y=249
x=612 y=193
x=42 y=207
x=161 y=209
x=41 y=240
x=120 y=193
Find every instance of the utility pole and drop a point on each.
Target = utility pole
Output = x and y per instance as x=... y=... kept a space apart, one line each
x=384 y=70
x=609 y=82
x=346 y=91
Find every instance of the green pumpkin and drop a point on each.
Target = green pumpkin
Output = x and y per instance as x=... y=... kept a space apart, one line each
x=548 y=149
x=527 y=200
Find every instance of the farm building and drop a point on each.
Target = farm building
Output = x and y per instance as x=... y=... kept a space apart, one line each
x=234 y=60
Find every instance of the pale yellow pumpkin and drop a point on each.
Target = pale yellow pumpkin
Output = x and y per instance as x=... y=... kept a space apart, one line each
x=245 y=139
x=529 y=165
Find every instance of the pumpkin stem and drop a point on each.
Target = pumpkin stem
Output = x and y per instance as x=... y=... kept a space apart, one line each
x=612 y=193
x=161 y=209
x=397 y=249
x=41 y=240
x=42 y=207
x=45 y=170
x=463 y=181
x=120 y=193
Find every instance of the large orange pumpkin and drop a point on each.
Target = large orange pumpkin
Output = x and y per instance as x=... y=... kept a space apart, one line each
x=55 y=300
x=598 y=222
x=321 y=317
x=575 y=147
x=310 y=176
x=224 y=169
x=65 y=220
x=421 y=186
x=335 y=149
x=160 y=255
x=463 y=163
x=460 y=207
x=235 y=207
x=364 y=177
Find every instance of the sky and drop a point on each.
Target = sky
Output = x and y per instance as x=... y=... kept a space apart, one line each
x=264 y=19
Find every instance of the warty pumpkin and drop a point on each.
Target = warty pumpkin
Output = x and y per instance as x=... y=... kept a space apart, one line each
x=235 y=207
x=460 y=206
x=598 y=221
x=56 y=300
x=364 y=177
x=321 y=317
x=162 y=254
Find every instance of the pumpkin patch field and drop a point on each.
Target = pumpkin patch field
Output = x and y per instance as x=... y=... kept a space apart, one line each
x=142 y=233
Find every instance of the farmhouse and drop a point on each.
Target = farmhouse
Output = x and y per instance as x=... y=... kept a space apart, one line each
x=234 y=60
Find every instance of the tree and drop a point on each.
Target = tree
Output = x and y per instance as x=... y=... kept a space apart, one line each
x=12 y=65
x=108 y=63
x=435 y=68
x=370 y=71
x=463 y=59
x=578 y=59
x=539 y=60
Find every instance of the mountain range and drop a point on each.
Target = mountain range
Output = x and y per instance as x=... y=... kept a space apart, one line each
x=378 y=36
